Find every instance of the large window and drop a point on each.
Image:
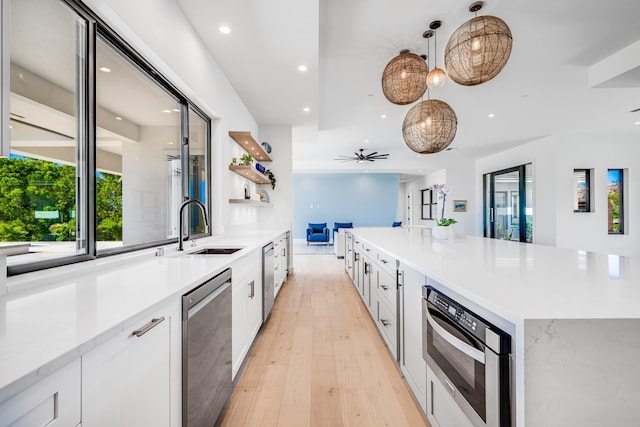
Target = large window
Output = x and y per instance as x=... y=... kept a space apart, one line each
x=90 y=175
x=508 y=207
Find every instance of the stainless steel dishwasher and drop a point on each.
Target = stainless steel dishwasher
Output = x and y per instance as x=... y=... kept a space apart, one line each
x=268 y=294
x=206 y=351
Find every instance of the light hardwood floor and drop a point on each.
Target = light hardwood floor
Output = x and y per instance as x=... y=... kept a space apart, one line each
x=320 y=361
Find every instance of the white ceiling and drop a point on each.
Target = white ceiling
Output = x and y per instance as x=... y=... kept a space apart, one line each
x=543 y=90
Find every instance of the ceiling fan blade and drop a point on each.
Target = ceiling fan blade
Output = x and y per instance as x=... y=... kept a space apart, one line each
x=372 y=154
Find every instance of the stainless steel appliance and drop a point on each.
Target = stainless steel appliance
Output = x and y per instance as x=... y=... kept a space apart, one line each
x=470 y=356
x=268 y=294
x=206 y=351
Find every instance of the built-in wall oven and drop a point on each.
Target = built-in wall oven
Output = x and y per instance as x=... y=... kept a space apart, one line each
x=470 y=356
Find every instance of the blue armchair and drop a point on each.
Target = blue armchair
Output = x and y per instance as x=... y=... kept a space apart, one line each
x=337 y=225
x=318 y=233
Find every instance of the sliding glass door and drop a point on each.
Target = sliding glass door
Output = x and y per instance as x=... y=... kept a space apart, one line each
x=508 y=208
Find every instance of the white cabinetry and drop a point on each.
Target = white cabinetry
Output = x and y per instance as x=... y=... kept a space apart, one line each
x=126 y=381
x=280 y=262
x=348 y=257
x=246 y=301
x=54 y=401
x=412 y=364
x=442 y=410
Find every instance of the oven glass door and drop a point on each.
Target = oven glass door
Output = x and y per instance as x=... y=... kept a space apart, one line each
x=459 y=356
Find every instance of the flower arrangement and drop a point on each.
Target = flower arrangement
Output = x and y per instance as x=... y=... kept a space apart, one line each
x=442 y=190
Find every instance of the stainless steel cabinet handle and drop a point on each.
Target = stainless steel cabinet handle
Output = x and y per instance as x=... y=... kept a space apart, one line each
x=251 y=285
x=366 y=268
x=146 y=328
x=385 y=322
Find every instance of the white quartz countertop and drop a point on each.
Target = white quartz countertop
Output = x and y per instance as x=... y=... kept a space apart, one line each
x=519 y=281
x=44 y=328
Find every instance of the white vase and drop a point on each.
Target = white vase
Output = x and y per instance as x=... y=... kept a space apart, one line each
x=442 y=233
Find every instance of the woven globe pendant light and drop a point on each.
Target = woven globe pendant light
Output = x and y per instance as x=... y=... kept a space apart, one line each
x=478 y=50
x=404 y=79
x=429 y=126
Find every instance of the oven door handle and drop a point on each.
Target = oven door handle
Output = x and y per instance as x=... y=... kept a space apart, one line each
x=448 y=337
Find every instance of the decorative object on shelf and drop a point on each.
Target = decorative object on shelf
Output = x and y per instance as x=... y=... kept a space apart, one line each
x=361 y=157
x=267 y=147
x=442 y=229
x=260 y=168
x=246 y=159
x=264 y=196
x=429 y=126
x=459 y=205
x=404 y=78
x=437 y=76
x=479 y=49
x=234 y=161
x=271 y=177
x=247 y=196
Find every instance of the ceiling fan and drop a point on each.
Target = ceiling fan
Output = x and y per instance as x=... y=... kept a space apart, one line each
x=361 y=157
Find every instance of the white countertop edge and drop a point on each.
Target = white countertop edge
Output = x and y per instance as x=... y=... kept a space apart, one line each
x=30 y=285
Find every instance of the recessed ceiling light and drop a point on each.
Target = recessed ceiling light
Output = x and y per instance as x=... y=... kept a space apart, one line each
x=383 y=116
x=166 y=111
x=170 y=143
x=418 y=156
x=118 y=118
x=175 y=110
x=224 y=29
x=306 y=109
x=636 y=123
x=491 y=115
x=302 y=68
x=105 y=69
x=366 y=141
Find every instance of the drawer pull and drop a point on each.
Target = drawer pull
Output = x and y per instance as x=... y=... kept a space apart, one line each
x=385 y=322
x=367 y=249
x=384 y=288
x=252 y=287
x=384 y=261
x=146 y=328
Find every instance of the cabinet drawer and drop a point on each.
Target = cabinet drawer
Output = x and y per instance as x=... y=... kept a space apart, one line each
x=387 y=289
x=387 y=324
x=53 y=401
x=387 y=262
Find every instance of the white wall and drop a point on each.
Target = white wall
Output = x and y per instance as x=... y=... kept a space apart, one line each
x=281 y=214
x=599 y=152
x=554 y=159
x=159 y=31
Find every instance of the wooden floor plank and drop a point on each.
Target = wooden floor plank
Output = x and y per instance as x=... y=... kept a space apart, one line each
x=320 y=360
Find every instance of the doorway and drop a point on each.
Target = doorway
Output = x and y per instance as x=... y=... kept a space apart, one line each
x=508 y=204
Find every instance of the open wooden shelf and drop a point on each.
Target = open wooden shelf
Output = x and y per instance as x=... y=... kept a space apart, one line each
x=250 y=202
x=250 y=173
x=246 y=141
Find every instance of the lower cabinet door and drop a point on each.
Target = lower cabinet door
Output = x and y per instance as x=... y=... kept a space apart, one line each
x=126 y=380
x=442 y=410
x=53 y=401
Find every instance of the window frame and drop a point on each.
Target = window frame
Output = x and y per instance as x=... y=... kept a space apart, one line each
x=86 y=164
x=621 y=200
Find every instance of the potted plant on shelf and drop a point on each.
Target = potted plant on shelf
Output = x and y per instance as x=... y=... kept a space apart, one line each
x=442 y=229
x=246 y=159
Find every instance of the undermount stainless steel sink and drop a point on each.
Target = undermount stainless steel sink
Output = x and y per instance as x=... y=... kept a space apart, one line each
x=216 y=251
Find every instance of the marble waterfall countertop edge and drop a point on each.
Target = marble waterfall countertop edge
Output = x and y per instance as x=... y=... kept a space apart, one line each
x=519 y=281
x=45 y=327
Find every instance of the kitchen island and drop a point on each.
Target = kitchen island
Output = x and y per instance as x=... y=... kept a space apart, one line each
x=573 y=315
